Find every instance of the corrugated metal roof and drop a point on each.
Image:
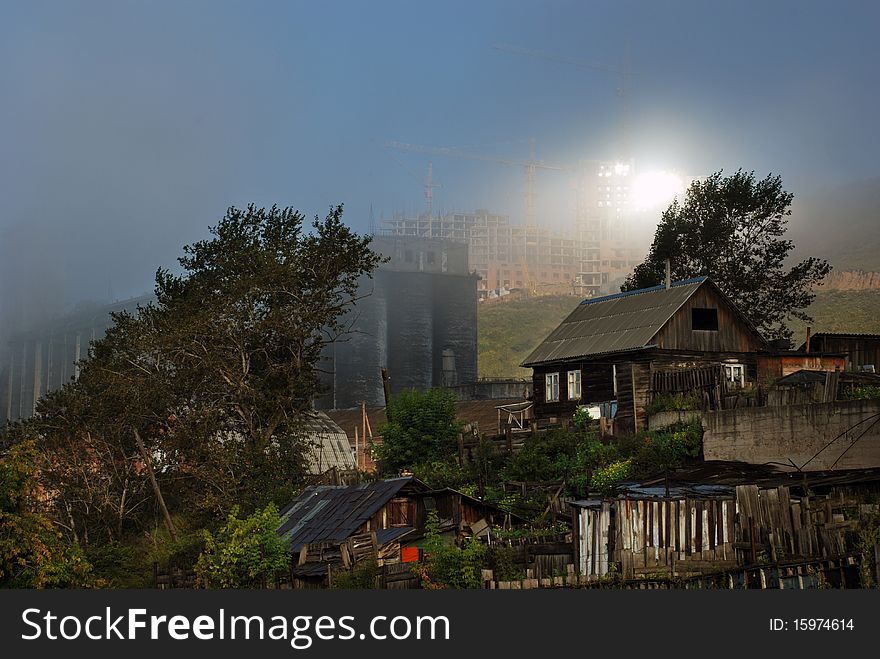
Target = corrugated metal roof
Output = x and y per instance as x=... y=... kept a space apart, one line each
x=326 y=513
x=614 y=323
x=329 y=446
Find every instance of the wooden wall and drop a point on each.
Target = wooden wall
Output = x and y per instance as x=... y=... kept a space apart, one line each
x=657 y=536
x=859 y=350
x=733 y=335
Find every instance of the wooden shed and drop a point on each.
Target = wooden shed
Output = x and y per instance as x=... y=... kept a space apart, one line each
x=617 y=348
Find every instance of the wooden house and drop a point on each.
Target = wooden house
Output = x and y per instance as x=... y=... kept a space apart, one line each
x=616 y=351
x=329 y=527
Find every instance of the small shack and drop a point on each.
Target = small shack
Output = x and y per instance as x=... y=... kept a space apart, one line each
x=331 y=527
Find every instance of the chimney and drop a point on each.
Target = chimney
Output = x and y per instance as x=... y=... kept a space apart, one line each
x=668 y=274
x=807 y=347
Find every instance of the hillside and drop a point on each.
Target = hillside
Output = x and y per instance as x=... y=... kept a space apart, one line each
x=509 y=330
x=841 y=225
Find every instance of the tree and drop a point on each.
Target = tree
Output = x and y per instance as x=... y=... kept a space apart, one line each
x=243 y=328
x=245 y=553
x=205 y=385
x=423 y=429
x=731 y=230
x=32 y=552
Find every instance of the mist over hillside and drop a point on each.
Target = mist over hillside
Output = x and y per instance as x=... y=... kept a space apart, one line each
x=840 y=224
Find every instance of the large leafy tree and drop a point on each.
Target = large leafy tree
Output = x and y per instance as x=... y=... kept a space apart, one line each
x=191 y=404
x=244 y=327
x=731 y=229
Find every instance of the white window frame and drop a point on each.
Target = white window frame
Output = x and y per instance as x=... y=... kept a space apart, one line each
x=551 y=387
x=735 y=374
x=614 y=378
x=574 y=385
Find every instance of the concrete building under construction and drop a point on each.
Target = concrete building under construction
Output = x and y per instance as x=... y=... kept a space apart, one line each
x=418 y=320
x=45 y=358
x=504 y=255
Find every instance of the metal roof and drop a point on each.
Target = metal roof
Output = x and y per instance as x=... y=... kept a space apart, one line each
x=328 y=444
x=614 y=323
x=325 y=513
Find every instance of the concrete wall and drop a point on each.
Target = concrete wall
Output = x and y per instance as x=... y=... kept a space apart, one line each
x=660 y=420
x=759 y=435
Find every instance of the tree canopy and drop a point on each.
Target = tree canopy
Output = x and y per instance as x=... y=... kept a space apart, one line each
x=422 y=429
x=193 y=400
x=731 y=229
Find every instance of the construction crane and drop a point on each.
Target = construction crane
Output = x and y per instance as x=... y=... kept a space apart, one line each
x=623 y=73
x=531 y=166
x=429 y=189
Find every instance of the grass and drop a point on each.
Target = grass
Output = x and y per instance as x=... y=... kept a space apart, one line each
x=507 y=331
x=842 y=311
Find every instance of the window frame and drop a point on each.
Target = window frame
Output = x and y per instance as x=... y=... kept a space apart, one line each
x=551 y=386
x=578 y=382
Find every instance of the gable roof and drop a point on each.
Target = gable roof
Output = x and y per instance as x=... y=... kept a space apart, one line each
x=621 y=322
x=326 y=513
x=614 y=323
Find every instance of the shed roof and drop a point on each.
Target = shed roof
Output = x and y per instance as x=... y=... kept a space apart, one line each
x=614 y=323
x=326 y=513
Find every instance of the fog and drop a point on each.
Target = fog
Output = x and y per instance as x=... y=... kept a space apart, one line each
x=128 y=128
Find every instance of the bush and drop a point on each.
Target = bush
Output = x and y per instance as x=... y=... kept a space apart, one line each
x=606 y=479
x=675 y=403
x=447 y=566
x=863 y=392
x=246 y=553
x=422 y=430
x=360 y=577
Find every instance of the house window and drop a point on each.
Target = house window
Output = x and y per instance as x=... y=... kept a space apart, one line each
x=704 y=319
x=735 y=374
x=574 y=385
x=614 y=378
x=551 y=387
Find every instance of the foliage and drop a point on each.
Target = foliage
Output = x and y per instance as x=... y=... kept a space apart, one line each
x=448 y=566
x=731 y=229
x=500 y=560
x=422 y=430
x=868 y=536
x=606 y=479
x=862 y=392
x=245 y=553
x=581 y=418
x=360 y=577
x=674 y=403
x=212 y=378
x=668 y=448
x=32 y=552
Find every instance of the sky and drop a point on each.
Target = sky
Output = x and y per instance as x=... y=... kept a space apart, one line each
x=127 y=128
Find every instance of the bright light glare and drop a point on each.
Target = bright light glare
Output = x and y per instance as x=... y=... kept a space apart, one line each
x=651 y=190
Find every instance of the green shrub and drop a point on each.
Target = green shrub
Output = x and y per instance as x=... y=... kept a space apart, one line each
x=863 y=392
x=675 y=403
x=448 y=566
x=606 y=479
x=361 y=577
x=245 y=553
